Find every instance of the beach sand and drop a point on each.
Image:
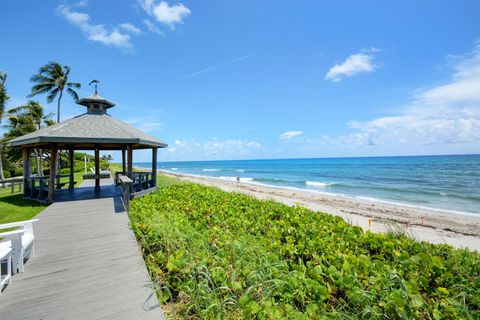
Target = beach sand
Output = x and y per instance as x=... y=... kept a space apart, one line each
x=458 y=230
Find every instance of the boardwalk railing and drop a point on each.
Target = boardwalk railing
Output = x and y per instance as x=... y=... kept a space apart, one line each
x=135 y=185
x=126 y=185
x=12 y=182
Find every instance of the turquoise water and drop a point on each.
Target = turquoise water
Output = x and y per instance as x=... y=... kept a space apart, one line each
x=447 y=183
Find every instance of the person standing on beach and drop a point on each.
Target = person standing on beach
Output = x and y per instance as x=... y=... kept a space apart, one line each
x=238 y=179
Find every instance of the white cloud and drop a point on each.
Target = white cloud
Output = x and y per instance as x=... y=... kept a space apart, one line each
x=152 y=27
x=354 y=64
x=128 y=27
x=441 y=119
x=95 y=32
x=169 y=15
x=290 y=134
x=214 y=149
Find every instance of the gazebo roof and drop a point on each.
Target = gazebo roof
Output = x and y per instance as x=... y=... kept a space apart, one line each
x=89 y=130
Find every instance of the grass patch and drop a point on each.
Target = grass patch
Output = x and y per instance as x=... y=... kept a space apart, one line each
x=77 y=176
x=14 y=208
x=219 y=255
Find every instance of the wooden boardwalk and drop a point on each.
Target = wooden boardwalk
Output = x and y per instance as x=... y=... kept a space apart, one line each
x=87 y=263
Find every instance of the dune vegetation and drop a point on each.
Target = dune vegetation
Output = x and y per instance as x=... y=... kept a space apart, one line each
x=219 y=255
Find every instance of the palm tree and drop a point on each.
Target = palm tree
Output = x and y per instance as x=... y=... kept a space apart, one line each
x=3 y=101
x=18 y=124
x=107 y=157
x=52 y=79
x=34 y=112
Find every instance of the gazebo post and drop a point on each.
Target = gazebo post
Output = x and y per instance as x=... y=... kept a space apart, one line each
x=53 y=172
x=154 y=167
x=97 y=168
x=124 y=162
x=130 y=160
x=72 y=167
x=26 y=172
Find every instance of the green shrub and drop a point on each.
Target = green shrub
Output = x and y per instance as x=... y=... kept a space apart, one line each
x=225 y=255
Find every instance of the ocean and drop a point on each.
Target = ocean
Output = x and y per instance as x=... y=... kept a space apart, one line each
x=445 y=183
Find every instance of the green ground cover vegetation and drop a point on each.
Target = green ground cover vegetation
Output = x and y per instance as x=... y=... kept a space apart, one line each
x=219 y=255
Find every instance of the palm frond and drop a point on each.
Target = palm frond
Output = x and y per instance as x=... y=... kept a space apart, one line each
x=41 y=88
x=73 y=94
x=52 y=94
x=75 y=85
x=49 y=122
x=40 y=78
x=66 y=71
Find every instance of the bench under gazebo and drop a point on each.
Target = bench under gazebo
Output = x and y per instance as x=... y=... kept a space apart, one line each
x=94 y=130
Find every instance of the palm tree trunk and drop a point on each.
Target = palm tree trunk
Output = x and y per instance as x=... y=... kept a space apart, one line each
x=2 y=177
x=58 y=105
x=35 y=151
x=57 y=164
x=40 y=151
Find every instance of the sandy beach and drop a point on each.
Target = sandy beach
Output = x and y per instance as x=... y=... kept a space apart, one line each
x=458 y=230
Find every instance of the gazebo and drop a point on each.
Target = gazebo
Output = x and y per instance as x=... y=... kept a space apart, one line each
x=94 y=130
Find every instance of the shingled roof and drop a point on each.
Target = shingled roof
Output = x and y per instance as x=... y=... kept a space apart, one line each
x=90 y=129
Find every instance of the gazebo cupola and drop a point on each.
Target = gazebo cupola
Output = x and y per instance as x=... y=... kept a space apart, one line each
x=96 y=104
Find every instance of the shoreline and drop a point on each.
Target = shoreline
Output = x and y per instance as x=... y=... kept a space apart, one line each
x=461 y=230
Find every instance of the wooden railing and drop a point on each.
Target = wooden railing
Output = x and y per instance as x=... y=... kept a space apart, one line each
x=12 y=182
x=134 y=185
x=126 y=186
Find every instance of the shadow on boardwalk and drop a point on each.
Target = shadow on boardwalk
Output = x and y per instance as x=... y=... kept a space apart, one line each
x=87 y=263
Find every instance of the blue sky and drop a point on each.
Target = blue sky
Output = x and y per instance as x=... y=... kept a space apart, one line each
x=264 y=79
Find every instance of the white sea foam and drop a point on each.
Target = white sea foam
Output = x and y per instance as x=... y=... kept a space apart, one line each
x=240 y=170
x=174 y=169
x=246 y=180
x=210 y=170
x=317 y=184
x=253 y=182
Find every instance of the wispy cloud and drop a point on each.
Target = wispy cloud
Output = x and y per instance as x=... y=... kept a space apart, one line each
x=290 y=135
x=146 y=124
x=212 y=68
x=162 y=12
x=152 y=27
x=97 y=32
x=130 y=28
x=361 y=62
